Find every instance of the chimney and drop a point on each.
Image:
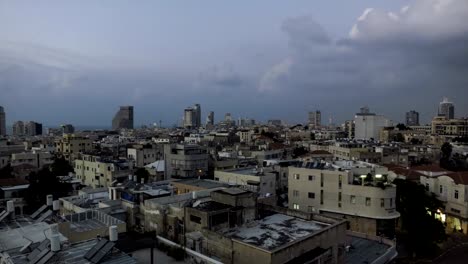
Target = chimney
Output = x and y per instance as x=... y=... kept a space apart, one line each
x=113 y=233
x=55 y=242
x=49 y=200
x=56 y=205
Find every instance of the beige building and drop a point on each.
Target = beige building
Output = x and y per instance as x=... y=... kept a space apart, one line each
x=451 y=127
x=96 y=171
x=347 y=150
x=143 y=155
x=260 y=180
x=357 y=191
x=185 y=161
x=70 y=146
x=35 y=158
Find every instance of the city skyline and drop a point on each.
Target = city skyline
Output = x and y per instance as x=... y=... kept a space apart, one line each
x=300 y=55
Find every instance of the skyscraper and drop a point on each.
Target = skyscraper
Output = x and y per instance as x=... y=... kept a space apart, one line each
x=412 y=118
x=2 y=122
x=447 y=109
x=32 y=128
x=18 y=128
x=315 y=119
x=197 y=113
x=123 y=118
x=189 y=117
x=210 y=118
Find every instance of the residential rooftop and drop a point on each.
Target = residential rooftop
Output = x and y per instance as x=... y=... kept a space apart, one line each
x=203 y=183
x=274 y=231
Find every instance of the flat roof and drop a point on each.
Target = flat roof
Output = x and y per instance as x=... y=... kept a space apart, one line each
x=18 y=237
x=274 y=231
x=251 y=171
x=208 y=184
x=364 y=250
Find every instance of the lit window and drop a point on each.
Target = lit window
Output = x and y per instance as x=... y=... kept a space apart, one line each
x=295 y=206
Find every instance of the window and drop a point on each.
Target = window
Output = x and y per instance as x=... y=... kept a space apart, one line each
x=382 y=202
x=456 y=194
x=427 y=186
x=339 y=197
x=310 y=209
x=368 y=201
x=321 y=179
x=311 y=177
x=195 y=219
x=295 y=206
x=311 y=195
x=340 y=181
x=296 y=176
x=391 y=202
x=321 y=196
x=441 y=189
x=353 y=199
x=295 y=193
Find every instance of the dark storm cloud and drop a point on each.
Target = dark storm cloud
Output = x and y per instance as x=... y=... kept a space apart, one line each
x=391 y=61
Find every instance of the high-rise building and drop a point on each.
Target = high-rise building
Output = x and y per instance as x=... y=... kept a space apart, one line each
x=18 y=128
x=210 y=118
x=197 y=111
x=447 y=109
x=123 y=118
x=315 y=119
x=412 y=118
x=68 y=129
x=367 y=125
x=2 y=122
x=228 y=117
x=192 y=117
x=32 y=128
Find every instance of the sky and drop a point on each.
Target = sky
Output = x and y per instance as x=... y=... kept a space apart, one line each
x=78 y=61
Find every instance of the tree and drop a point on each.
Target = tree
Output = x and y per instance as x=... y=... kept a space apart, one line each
x=6 y=172
x=417 y=209
x=312 y=136
x=60 y=167
x=399 y=138
x=142 y=173
x=299 y=151
x=402 y=127
x=446 y=150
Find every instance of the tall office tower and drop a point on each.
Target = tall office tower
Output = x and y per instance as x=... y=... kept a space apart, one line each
x=210 y=118
x=123 y=118
x=447 y=109
x=189 y=117
x=315 y=119
x=32 y=128
x=412 y=118
x=197 y=111
x=367 y=125
x=18 y=128
x=2 y=122
x=228 y=117
x=68 y=129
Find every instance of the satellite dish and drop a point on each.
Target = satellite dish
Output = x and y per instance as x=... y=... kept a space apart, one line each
x=196 y=203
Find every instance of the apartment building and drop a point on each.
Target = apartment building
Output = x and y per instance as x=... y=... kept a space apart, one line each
x=452 y=189
x=260 y=180
x=70 y=146
x=185 y=161
x=143 y=155
x=450 y=127
x=354 y=190
x=97 y=171
x=347 y=150
x=37 y=159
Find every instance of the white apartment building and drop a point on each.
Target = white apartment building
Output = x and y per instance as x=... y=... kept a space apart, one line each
x=354 y=190
x=96 y=171
x=452 y=189
x=368 y=125
x=142 y=155
x=37 y=159
x=253 y=179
